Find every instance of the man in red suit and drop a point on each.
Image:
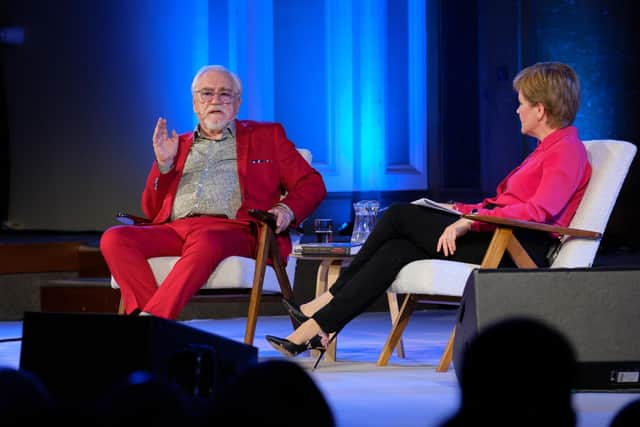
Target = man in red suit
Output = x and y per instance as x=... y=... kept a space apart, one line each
x=198 y=194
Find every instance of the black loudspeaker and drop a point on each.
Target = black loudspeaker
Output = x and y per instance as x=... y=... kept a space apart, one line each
x=80 y=356
x=597 y=309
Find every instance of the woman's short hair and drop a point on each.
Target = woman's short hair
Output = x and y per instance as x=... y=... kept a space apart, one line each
x=554 y=85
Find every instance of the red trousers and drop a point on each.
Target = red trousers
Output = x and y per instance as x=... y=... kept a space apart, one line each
x=200 y=242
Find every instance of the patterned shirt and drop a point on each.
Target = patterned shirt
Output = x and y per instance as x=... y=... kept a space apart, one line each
x=209 y=184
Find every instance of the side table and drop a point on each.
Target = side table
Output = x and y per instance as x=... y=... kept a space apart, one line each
x=328 y=272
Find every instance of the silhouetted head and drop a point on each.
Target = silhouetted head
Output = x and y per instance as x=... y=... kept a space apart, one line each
x=628 y=416
x=274 y=393
x=143 y=399
x=22 y=396
x=521 y=372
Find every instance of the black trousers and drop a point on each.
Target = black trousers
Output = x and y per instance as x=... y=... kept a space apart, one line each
x=407 y=233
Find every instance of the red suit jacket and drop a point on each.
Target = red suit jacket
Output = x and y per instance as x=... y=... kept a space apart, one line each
x=268 y=165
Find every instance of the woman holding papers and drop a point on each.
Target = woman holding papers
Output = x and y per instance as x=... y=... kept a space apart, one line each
x=546 y=187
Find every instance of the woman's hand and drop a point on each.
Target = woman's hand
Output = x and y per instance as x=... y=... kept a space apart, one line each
x=164 y=147
x=447 y=240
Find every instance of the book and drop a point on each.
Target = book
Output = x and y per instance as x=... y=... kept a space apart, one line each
x=428 y=203
x=338 y=248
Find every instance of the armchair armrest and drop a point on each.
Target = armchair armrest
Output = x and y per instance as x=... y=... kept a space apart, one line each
x=270 y=220
x=516 y=223
x=264 y=216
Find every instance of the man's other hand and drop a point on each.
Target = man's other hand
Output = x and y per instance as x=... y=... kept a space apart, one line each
x=283 y=217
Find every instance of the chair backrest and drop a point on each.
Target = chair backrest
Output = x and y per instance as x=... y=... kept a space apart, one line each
x=610 y=161
x=306 y=154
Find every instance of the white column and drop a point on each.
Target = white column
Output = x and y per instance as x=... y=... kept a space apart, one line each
x=413 y=174
x=338 y=171
x=200 y=56
x=373 y=102
x=417 y=95
x=250 y=25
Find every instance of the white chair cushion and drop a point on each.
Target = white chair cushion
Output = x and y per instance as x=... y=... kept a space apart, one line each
x=432 y=277
x=233 y=272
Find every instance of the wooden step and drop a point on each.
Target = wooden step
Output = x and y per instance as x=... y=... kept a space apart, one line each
x=81 y=295
x=52 y=257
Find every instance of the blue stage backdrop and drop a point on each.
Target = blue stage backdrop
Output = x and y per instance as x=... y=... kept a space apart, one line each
x=595 y=38
x=359 y=83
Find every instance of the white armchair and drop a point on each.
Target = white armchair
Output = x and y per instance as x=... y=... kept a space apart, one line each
x=443 y=281
x=240 y=277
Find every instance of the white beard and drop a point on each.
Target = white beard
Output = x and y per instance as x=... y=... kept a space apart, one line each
x=215 y=125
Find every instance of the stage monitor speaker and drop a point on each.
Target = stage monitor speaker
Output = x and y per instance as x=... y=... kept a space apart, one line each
x=80 y=356
x=596 y=309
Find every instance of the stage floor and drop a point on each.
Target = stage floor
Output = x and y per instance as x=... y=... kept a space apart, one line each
x=406 y=393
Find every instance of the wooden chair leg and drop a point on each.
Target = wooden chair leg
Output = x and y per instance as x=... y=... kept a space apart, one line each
x=501 y=241
x=281 y=273
x=399 y=326
x=393 y=313
x=447 y=355
x=279 y=267
x=333 y=272
x=258 y=280
x=519 y=255
x=121 y=308
x=497 y=246
x=328 y=272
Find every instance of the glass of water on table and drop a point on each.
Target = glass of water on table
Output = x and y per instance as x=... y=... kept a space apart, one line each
x=323 y=229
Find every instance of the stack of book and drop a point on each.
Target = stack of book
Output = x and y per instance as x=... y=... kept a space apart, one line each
x=338 y=248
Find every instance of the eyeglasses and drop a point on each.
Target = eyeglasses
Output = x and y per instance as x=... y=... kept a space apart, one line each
x=206 y=96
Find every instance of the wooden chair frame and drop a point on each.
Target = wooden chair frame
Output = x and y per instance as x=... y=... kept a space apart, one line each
x=267 y=248
x=503 y=240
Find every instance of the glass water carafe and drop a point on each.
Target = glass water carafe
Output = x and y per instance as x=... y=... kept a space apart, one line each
x=366 y=212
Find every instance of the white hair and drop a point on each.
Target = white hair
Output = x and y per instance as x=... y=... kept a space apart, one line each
x=218 y=68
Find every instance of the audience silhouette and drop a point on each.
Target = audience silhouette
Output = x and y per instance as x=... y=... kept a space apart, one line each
x=23 y=397
x=277 y=387
x=628 y=416
x=517 y=371
x=144 y=399
x=273 y=393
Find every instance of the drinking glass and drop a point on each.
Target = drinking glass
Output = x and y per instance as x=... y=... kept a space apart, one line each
x=323 y=229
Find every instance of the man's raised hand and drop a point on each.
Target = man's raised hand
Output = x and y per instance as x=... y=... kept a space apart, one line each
x=164 y=147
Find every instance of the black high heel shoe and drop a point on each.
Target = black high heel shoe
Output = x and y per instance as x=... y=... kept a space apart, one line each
x=291 y=349
x=322 y=349
x=294 y=311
